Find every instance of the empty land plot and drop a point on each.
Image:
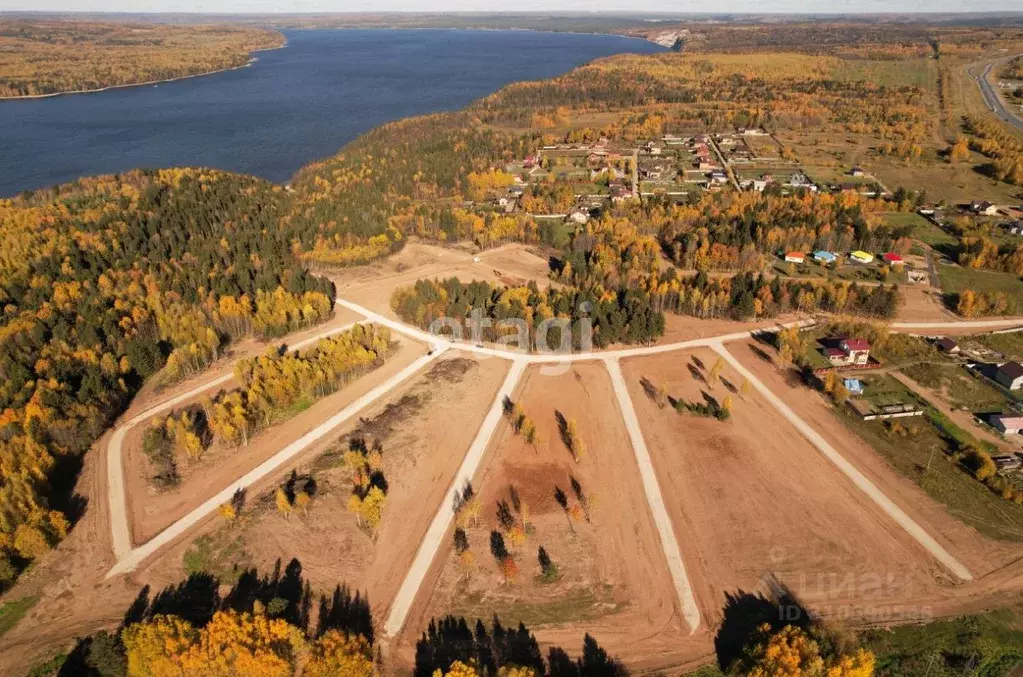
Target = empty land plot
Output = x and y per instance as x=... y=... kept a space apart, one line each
x=953 y=510
x=424 y=429
x=152 y=511
x=754 y=503
x=612 y=578
x=372 y=285
x=954 y=279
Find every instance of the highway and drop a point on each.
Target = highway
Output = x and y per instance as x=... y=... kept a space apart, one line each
x=991 y=98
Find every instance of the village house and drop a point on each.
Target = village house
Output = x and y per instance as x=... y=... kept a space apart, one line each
x=824 y=257
x=718 y=177
x=860 y=256
x=1010 y=375
x=856 y=171
x=578 y=216
x=795 y=257
x=892 y=259
x=947 y=345
x=984 y=208
x=1007 y=425
x=849 y=351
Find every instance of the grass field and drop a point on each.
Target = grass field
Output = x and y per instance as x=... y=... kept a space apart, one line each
x=1009 y=344
x=923 y=230
x=915 y=72
x=884 y=390
x=13 y=611
x=954 y=279
x=958 y=387
x=922 y=454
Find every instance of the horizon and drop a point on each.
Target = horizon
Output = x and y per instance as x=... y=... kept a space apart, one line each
x=730 y=8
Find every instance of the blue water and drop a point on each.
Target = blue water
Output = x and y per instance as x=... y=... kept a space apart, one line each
x=292 y=106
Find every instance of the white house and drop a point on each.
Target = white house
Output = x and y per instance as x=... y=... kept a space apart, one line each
x=1010 y=375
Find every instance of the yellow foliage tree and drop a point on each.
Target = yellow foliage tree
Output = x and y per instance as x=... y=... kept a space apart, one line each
x=337 y=654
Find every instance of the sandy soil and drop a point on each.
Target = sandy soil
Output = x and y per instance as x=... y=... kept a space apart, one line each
x=614 y=581
x=152 y=511
x=424 y=439
x=921 y=303
x=372 y=285
x=685 y=328
x=755 y=505
x=978 y=553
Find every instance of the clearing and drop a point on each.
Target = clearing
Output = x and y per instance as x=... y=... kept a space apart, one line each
x=612 y=579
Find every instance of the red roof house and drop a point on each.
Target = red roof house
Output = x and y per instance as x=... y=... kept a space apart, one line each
x=893 y=259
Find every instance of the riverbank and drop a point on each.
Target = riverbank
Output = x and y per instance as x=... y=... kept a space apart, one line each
x=96 y=90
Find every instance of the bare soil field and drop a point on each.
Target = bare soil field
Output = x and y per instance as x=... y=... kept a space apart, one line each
x=152 y=511
x=371 y=286
x=756 y=507
x=685 y=328
x=425 y=427
x=921 y=303
x=612 y=580
x=981 y=555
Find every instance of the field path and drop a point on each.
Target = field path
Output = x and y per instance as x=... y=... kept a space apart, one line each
x=859 y=479
x=120 y=529
x=434 y=537
x=669 y=543
x=134 y=557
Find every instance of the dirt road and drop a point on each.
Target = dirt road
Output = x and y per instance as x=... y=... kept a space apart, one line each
x=858 y=478
x=654 y=497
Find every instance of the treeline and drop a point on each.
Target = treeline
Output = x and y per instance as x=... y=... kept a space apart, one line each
x=777 y=91
x=1003 y=147
x=105 y=282
x=384 y=186
x=625 y=316
x=47 y=57
x=274 y=383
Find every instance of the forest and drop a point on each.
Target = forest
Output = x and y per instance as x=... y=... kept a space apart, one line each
x=39 y=57
x=108 y=282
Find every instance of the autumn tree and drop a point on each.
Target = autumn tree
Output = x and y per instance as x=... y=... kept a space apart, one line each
x=337 y=654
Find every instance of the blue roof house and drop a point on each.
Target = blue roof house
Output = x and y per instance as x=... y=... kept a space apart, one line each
x=824 y=257
x=854 y=386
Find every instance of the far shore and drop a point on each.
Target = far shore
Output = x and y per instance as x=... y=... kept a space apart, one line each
x=248 y=63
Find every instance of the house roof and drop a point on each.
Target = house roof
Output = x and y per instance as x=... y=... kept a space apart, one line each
x=857 y=344
x=824 y=254
x=945 y=343
x=795 y=255
x=892 y=257
x=1013 y=370
x=834 y=352
x=860 y=254
x=1010 y=421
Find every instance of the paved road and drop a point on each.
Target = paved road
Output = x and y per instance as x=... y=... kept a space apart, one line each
x=849 y=470
x=442 y=520
x=991 y=98
x=654 y=497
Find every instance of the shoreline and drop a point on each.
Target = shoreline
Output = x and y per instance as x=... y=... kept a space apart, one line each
x=252 y=60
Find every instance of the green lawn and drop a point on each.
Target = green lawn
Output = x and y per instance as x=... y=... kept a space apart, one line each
x=923 y=230
x=13 y=611
x=989 y=645
x=1009 y=344
x=954 y=279
x=958 y=387
x=922 y=454
x=895 y=73
x=883 y=390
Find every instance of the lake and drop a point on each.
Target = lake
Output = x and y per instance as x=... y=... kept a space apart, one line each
x=292 y=106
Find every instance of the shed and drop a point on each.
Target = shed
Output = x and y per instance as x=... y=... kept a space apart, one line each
x=947 y=345
x=853 y=385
